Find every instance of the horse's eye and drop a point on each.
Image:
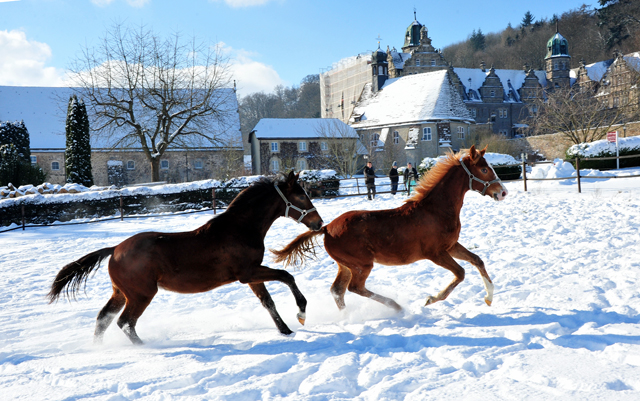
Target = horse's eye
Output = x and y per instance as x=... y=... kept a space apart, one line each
x=485 y=171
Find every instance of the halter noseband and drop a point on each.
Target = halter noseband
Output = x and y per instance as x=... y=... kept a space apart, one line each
x=472 y=177
x=303 y=212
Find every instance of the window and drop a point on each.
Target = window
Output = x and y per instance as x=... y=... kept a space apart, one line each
x=302 y=146
x=396 y=137
x=492 y=93
x=34 y=159
x=302 y=164
x=275 y=165
x=274 y=146
x=461 y=132
x=55 y=166
x=374 y=139
x=417 y=62
x=500 y=112
x=197 y=164
x=164 y=164
x=131 y=165
x=474 y=112
x=555 y=65
x=433 y=63
x=426 y=134
x=323 y=146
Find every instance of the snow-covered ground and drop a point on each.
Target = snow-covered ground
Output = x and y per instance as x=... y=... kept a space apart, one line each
x=564 y=322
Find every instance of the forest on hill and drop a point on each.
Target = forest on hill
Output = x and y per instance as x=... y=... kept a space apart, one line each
x=593 y=35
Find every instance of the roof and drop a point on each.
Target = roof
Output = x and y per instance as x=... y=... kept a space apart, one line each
x=414 y=98
x=473 y=78
x=297 y=128
x=44 y=112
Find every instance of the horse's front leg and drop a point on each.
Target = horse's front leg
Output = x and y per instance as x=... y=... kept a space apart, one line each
x=462 y=253
x=265 y=298
x=262 y=274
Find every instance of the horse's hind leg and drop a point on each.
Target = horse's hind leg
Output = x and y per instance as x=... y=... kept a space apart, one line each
x=340 y=284
x=462 y=253
x=106 y=315
x=356 y=285
x=265 y=298
x=134 y=308
x=445 y=260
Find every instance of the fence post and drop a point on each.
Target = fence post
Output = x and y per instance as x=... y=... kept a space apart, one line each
x=22 y=217
x=524 y=174
x=121 y=209
x=578 y=174
x=358 y=185
x=213 y=200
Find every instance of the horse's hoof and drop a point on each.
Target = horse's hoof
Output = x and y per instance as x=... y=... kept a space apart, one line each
x=487 y=301
x=430 y=300
x=302 y=317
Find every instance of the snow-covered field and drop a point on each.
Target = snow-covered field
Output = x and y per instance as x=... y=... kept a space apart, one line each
x=564 y=322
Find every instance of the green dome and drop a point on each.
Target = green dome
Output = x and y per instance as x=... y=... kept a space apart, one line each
x=412 y=35
x=557 y=46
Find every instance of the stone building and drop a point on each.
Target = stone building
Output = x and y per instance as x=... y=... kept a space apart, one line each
x=499 y=99
x=279 y=144
x=43 y=110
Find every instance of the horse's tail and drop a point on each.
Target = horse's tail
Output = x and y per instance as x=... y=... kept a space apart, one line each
x=299 y=249
x=70 y=278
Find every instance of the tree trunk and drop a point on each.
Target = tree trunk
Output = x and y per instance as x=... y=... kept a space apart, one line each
x=155 y=170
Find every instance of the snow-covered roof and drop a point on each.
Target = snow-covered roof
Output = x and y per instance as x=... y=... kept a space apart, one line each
x=44 y=112
x=292 y=128
x=595 y=71
x=410 y=99
x=473 y=78
x=399 y=58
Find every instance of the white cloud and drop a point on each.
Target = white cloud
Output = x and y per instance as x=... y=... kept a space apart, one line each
x=23 y=62
x=132 y=3
x=243 y=3
x=250 y=75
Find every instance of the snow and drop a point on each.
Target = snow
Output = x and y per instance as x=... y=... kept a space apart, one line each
x=563 y=325
x=477 y=76
x=410 y=99
x=279 y=128
x=598 y=148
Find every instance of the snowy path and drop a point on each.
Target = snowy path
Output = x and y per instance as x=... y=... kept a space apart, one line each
x=564 y=323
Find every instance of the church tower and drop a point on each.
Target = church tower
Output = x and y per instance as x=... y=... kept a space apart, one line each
x=379 y=69
x=558 y=61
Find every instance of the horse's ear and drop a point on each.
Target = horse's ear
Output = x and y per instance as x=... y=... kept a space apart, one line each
x=292 y=178
x=483 y=151
x=474 y=155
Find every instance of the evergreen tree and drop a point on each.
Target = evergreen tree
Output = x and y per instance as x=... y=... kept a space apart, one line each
x=15 y=156
x=528 y=19
x=16 y=134
x=478 y=40
x=78 y=152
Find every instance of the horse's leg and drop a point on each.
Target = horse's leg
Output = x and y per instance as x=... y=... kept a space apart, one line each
x=136 y=304
x=460 y=252
x=445 y=260
x=265 y=298
x=261 y=274
x=340 y=284
x=356 y=285
x=106 y=315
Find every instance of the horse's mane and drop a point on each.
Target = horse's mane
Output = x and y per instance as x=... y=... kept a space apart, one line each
x=435 y=175
x=254 y=194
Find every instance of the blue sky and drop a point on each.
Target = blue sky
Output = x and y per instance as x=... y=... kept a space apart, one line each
x=270 y=42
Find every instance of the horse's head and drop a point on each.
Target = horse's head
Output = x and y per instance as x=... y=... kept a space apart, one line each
x=298 y=204
x=482 y=177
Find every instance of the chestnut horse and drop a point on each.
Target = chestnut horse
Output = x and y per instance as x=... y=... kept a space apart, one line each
x=426 y=226
x=228 y=248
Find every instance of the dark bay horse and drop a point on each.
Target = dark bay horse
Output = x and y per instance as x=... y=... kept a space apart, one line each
x=228 y=248
x=426 y=226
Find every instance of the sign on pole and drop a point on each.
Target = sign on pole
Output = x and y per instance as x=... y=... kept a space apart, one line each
x=613 y=137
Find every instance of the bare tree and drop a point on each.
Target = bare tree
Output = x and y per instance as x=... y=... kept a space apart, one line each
x=153 y=93
x=342 y=147
x=577 y=114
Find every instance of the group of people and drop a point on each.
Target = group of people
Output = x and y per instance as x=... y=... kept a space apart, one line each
x=410 y=178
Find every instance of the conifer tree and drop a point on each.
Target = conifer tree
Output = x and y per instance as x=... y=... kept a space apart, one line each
x=528 y=19
x=15 y=156
x=78 y=152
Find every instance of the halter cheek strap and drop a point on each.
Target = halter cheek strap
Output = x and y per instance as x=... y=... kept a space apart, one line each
x=486 y=184
x=303 y=212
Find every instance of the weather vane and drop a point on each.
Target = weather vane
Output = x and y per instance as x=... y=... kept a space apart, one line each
x=379 y=39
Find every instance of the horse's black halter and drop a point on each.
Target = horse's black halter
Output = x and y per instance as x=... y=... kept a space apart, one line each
x=486 y=184
x=303 y=212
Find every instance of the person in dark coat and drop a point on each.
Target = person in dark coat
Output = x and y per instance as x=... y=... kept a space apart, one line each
x=370 y=180
x=410 y=177
x=393 y=176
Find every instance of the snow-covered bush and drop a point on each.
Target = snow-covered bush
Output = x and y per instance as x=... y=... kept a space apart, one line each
x=603 y=148
x=320 y=182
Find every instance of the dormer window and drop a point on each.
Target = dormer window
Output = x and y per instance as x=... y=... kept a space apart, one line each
x=433 y=63
x=417 y=62
x=492 y=93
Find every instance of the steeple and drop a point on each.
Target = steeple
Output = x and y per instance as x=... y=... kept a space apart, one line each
x=558 y=61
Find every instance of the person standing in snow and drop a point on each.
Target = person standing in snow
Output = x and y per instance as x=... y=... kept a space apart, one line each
x=410 y=177
x=393 y=176
x=370 y=180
